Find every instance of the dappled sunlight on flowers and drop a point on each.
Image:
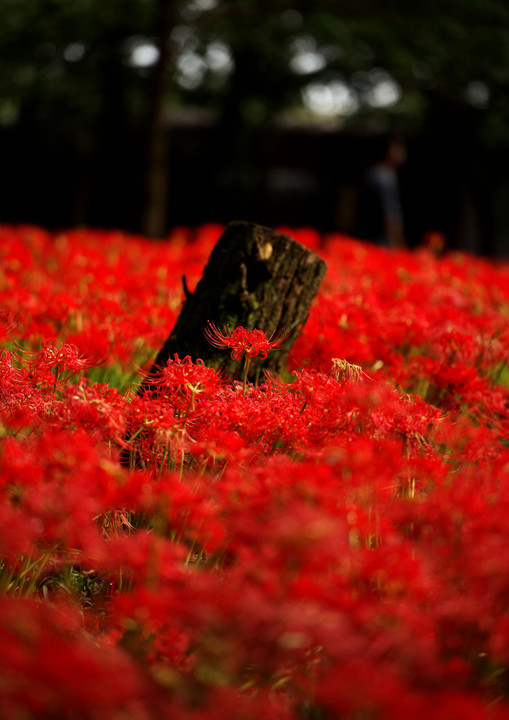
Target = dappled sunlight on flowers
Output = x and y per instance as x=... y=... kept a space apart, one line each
x=331 y=543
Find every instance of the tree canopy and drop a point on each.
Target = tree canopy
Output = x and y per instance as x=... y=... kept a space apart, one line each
x=97 y=76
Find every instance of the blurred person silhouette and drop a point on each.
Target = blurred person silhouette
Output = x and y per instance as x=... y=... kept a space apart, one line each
x=379 y=216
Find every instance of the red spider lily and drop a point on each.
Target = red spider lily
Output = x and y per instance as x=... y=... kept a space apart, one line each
x=8 y=321
x=251 y=342
x=319 y=548
x=181 y=381
x=51 y=667
x=53 y=363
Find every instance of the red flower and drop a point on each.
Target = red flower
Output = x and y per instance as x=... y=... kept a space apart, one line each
x=8 y=321
x=250 y=342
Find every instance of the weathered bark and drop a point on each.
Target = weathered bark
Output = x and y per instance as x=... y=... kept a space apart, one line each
x=256 y=278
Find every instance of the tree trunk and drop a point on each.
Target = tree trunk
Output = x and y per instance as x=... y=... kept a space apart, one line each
x=256 y=278
x=157 y=153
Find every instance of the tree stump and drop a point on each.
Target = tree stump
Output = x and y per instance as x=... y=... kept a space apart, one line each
x=256 y=278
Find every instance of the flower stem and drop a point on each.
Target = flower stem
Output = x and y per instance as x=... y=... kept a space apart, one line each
x=247 y=360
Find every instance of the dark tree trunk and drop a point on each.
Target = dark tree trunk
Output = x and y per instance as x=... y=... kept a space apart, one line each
x=256 y=278
x=157 y=153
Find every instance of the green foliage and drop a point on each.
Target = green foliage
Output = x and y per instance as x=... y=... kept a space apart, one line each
x=67 y=79
x=432 y=50
x=64 y=64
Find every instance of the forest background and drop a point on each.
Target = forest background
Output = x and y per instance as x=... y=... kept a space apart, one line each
x=144 y=115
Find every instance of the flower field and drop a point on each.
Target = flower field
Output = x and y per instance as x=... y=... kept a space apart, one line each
x=328 y=545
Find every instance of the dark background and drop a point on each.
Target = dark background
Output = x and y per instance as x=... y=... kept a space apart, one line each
x=147 y=114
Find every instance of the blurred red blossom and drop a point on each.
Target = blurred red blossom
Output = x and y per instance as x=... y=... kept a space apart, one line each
x=317 y=547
